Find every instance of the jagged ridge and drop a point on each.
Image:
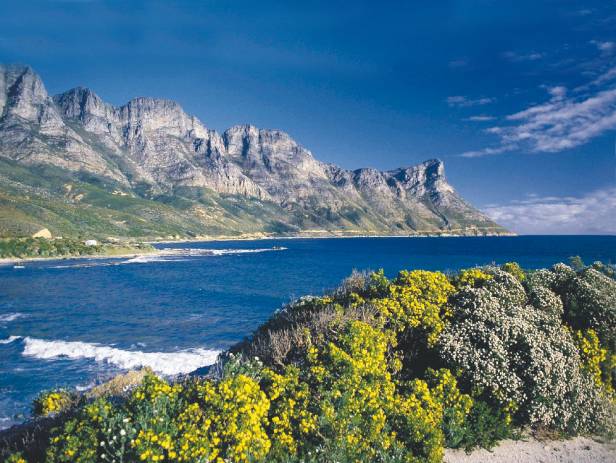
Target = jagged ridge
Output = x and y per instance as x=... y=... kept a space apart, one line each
x=151 y=149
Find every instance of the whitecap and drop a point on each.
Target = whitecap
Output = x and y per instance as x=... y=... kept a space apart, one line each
x=86 y=387
x=9 y=317
x=9 y=340
x=180 y=254
x=224 y=252
x=149 y=259
x=166 y=363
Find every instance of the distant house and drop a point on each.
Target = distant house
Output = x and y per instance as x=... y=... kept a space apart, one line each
x=90 y=243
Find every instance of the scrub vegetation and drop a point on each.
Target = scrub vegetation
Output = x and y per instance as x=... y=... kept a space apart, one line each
x=24 y=248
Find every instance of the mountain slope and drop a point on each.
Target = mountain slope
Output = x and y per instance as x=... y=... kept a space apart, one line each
x=75 y=164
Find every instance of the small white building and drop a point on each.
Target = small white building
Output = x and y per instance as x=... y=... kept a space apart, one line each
x=90 y=243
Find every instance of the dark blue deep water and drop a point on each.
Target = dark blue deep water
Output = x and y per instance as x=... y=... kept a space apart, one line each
x=76 y=322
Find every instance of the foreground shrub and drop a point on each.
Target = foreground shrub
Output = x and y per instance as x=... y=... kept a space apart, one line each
x=16 y=458
x=484 y=426
x=514 y=269
x=521 y=357
x=52 y=402
x=595 y=359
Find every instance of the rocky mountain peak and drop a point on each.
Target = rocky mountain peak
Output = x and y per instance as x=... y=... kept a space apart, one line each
x=153 y=114
x=427 y=178
x=151 y=144
x=22 y=93
x=81 y=102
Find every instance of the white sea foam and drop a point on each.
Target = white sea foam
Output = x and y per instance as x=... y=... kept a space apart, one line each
x=85 y=387
x=166 y=363
x=224 y=252
x=9 y=317
x=180 y=254
x=149 y=259
x=168 y=255
x=9 y=340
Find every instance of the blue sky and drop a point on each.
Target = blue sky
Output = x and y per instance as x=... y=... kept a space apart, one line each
x=517 y=97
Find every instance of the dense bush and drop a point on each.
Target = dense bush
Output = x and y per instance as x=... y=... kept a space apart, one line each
x=377 y=370
x=52 y=402
x=521 y=357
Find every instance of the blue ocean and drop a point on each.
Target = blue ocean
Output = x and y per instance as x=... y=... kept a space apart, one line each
x=74 y=323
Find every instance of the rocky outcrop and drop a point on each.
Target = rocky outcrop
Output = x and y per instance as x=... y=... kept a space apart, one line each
x=151 y=146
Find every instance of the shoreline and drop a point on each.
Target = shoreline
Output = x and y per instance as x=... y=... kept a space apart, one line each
x=259 y=237
x=225 y=238
x=20 y=260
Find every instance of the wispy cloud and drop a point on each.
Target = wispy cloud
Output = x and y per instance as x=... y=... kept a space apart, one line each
x=516 y=57
x=604 y=46
x=459 y=101
x=594 y=213
x=566 y=120
x=480 y=118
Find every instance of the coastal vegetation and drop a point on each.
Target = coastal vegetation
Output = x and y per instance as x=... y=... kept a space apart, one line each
x=24 y=248
x=383 y=370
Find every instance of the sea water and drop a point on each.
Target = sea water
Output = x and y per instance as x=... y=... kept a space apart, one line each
x=73 y=323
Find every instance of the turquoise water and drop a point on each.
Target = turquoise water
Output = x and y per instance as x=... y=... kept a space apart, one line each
x=76 y=322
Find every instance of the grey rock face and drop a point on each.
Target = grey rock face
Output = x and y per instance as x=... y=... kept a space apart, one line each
x=153 y=142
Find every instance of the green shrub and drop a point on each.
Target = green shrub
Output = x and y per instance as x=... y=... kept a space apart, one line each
x=521 y=356
x=484 y=427
x=16 y=458
x=53 y=402
x=514 y=269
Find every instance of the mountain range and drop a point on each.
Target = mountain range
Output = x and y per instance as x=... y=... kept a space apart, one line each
x=76 y=165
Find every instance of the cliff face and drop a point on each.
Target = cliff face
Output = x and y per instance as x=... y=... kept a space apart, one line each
x=151 y=148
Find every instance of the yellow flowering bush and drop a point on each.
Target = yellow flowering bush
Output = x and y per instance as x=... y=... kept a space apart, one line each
x=417 y=300
x=290 y=420
x=16 y=458
x=78 y=441
x=237 y=408
x=473 y=277
x=154 y=406
x=456 y=405
x=595 y=359
x=357 y=390
x=52 y=402
x=363 y=412
x=514 y=269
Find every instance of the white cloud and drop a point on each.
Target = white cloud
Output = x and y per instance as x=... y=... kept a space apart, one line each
x=594 y=213
x=460 y=101
x=480 y=118
x=486 y=151
x=605 y=77
x=566 y=120
x=521 y=57
x=604 y=46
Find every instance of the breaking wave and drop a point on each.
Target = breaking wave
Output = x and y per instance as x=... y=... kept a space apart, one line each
x=9 y=317
x=166 y=363
x=9 y=340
